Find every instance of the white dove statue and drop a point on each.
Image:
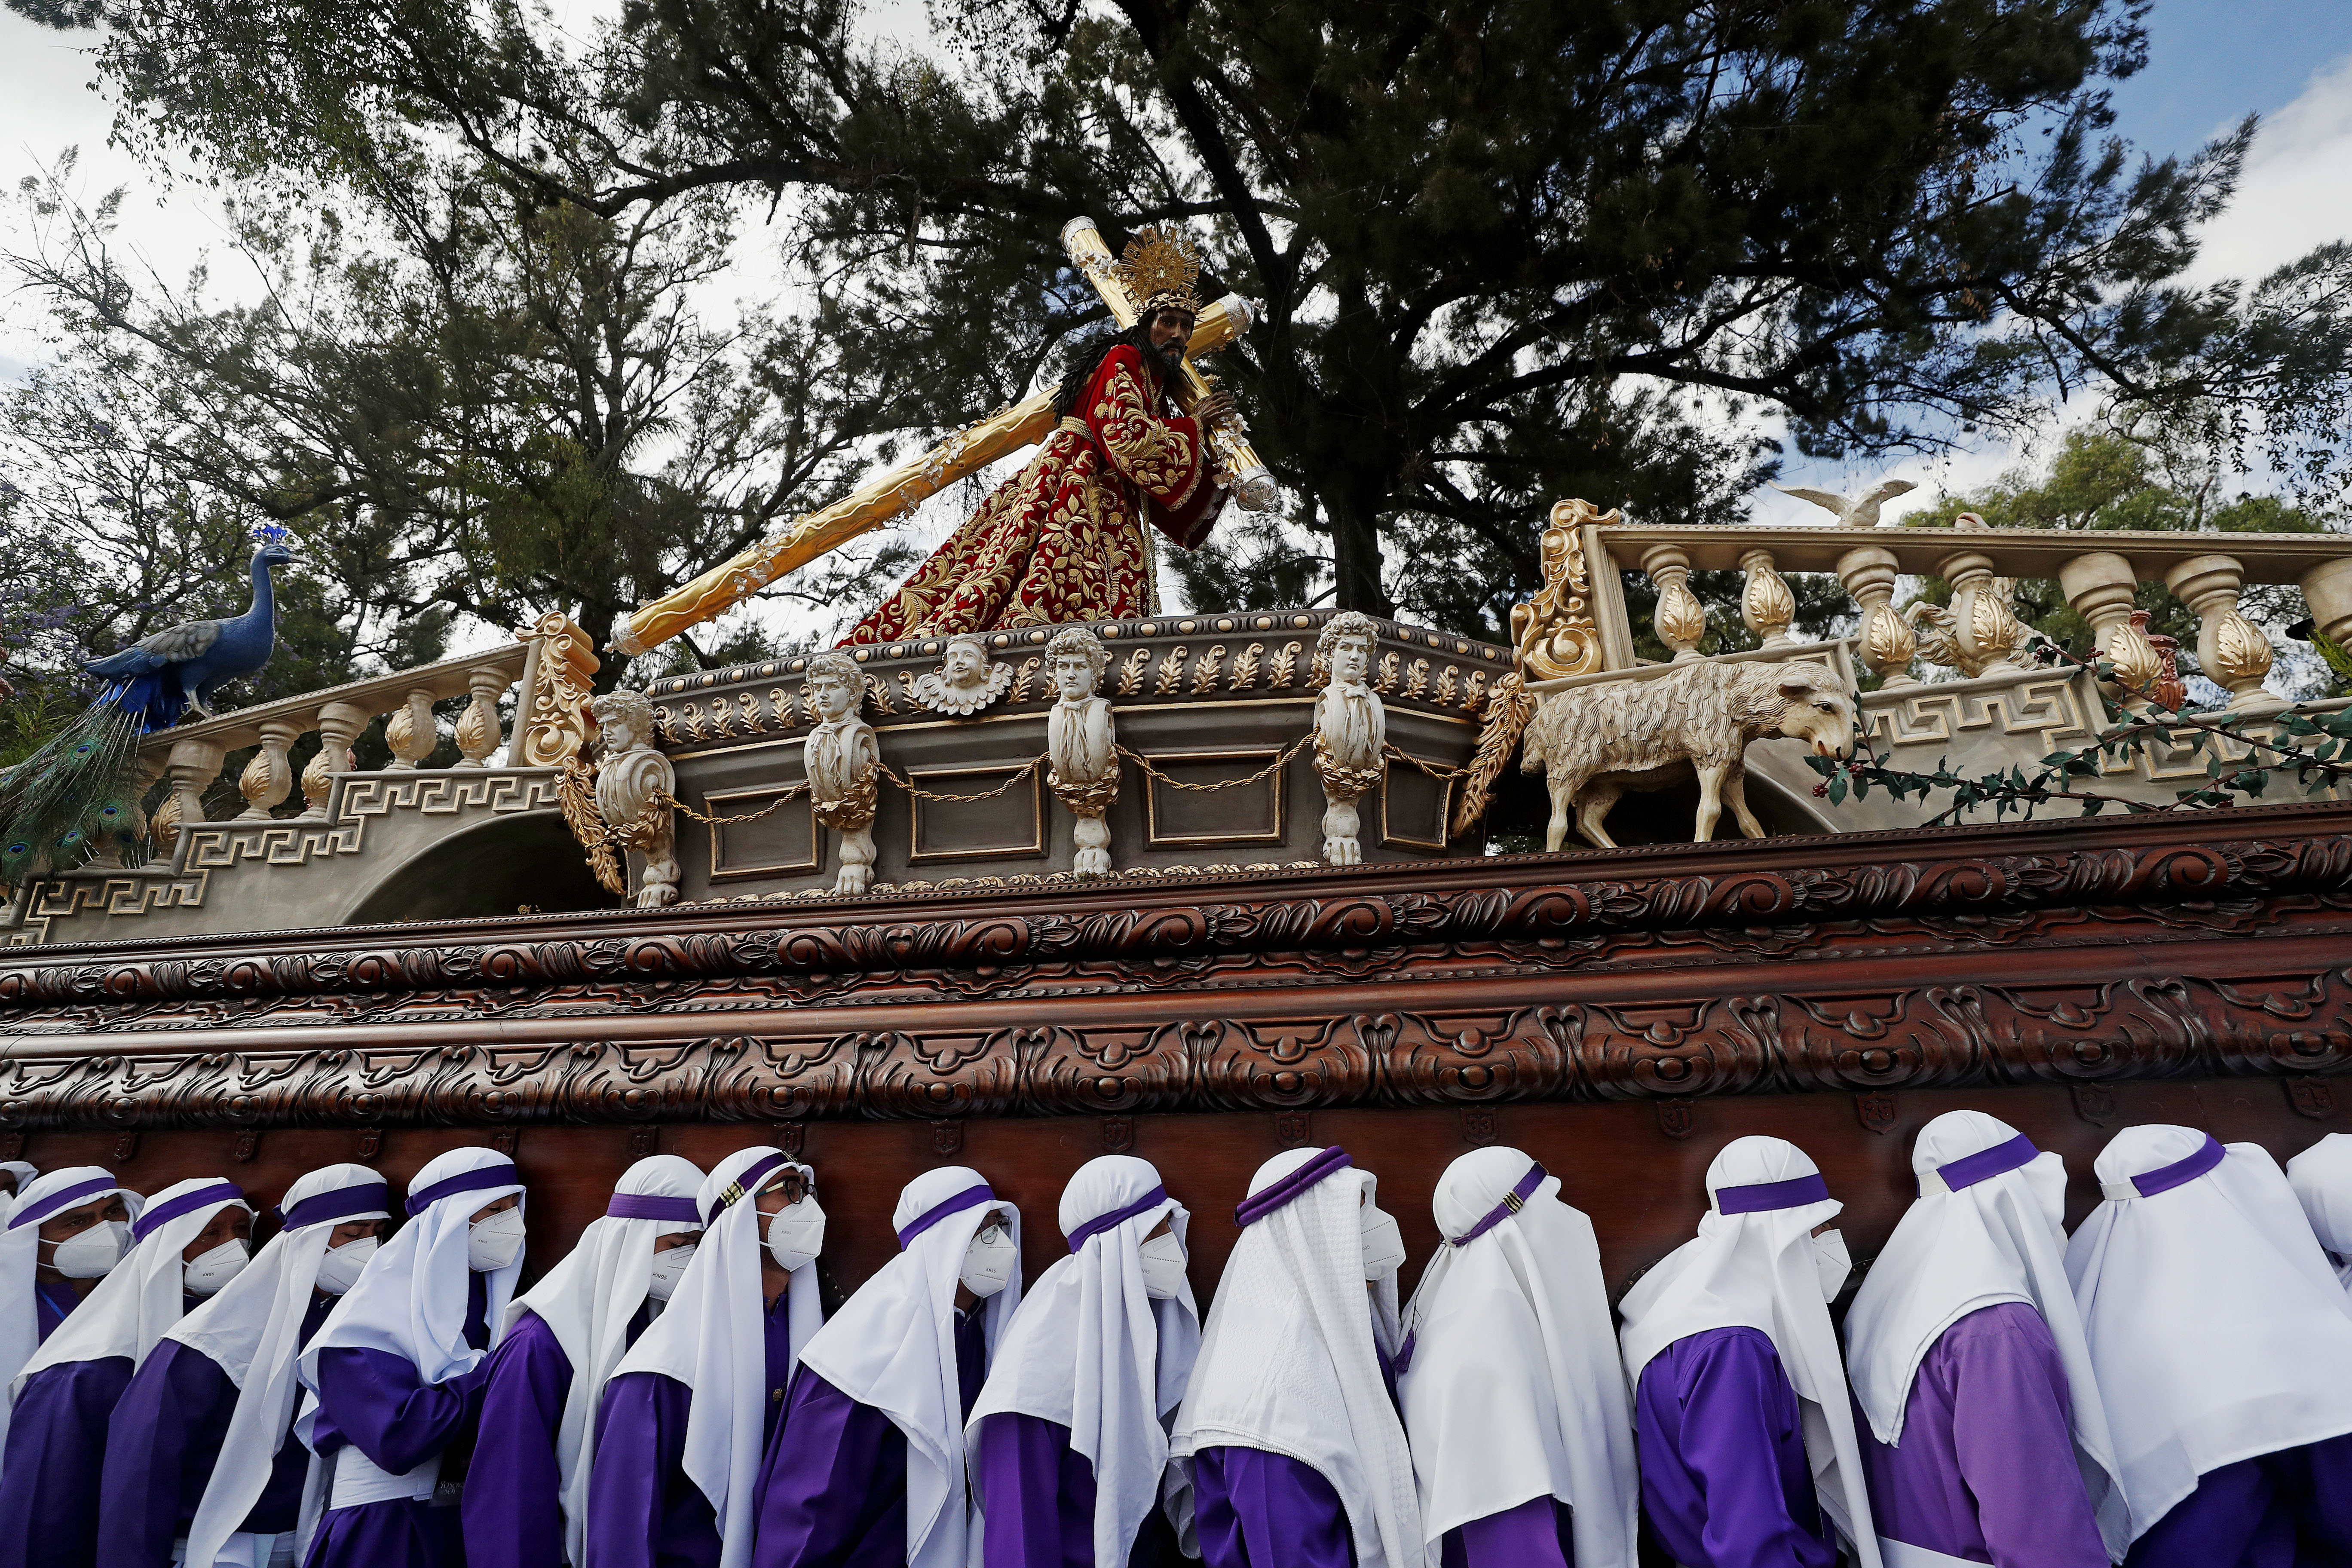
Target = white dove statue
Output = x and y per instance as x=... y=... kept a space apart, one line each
x=1862 y=513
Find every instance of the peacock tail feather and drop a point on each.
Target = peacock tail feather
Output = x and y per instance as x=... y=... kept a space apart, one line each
x=73 y=799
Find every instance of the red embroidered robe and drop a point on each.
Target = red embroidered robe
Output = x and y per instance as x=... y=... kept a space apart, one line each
x=1062 y=540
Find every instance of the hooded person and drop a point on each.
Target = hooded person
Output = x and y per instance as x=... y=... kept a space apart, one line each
x=2222 y=1342
x=1514 y=1398
x=1289 y=1437
x=689 y=1410
x=185 y=1244
x=1984 y=1439
x=1069 y=1439
x=202 y=1466
x=396 y=1373
x=64 y=1233
x=1740 y=1409
x=2322 y=1179
x=527 y=1485
x=870 y=1471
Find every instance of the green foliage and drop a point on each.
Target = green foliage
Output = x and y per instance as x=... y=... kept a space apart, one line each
x=2244 y=757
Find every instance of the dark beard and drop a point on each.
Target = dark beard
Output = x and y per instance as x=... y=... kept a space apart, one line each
x=1169 y=358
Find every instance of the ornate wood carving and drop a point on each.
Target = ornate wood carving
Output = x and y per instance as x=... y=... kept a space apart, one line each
x=2074 y=954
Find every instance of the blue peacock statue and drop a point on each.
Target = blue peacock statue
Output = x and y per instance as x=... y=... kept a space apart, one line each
x=75 y=795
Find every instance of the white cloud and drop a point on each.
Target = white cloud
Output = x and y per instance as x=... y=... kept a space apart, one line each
x=2294 y=195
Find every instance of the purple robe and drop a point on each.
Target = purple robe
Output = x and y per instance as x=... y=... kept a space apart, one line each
x=373 y=1401
x=643 y=1509
x=2288 y=1510
x=1724 y=1481
x=1533 y=1535
x=1252 y=1508
x=161 y=1446
x=1986 y=1470
x=835 y=1496
x=49 y=1479
x=53 y=1303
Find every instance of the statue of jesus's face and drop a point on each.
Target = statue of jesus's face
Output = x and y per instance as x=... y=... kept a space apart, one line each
x=1351 y=661
x=963 y=664
x=831 y=694
x=1172 y=330
x=1074 y=675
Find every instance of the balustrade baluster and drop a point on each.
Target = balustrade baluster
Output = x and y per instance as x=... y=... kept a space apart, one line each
x=1680 y=619
x=1887 y=639
x=269 y=778
x=1766 y=604
x=340 y=724
x=478 y=729
x=2235 y=654
x=410 y=731
x=193 y=764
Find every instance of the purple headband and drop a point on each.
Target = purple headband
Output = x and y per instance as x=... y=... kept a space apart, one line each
x=339 y=1203
x=1101 y=1222
x=1986 y=1164
x=652 y=1205
x=1258 y=1205
x=2164 y=1178
x=185 y=1203
x=63 y=1198
x=498 y=1175
x=1764 y=1197
x=970 y=1198
x=1512 y=1202
x=734 y=1192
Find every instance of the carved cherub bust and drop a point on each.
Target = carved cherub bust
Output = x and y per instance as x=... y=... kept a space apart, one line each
x=1081 y=744
x=631 y=780
x=967 y=679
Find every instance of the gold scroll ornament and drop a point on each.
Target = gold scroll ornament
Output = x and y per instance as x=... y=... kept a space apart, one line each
x=887 y=495
x=1239 y=468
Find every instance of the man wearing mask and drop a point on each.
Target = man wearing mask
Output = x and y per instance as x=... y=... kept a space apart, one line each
x=1740 y=1411
x=395 y=1371
x=870 y=1472
x=1289 y=1431
x=201 y=1448
x=1068 y=1441
x=64 y=1233
x=692 y=1405
x=188 y=1241
x=527 y=1485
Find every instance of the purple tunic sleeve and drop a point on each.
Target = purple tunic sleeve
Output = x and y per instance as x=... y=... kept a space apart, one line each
x=1986 y=1470
x=513 y=1505
x=833 y=1493
x=373 y=1401
x=2292 y=1509
x=51 y=1477
x=52 y=1304
x=1533 y=1535
x=1724 y=1481
x=161 y=1443
x=1036 y=1494
x=643 y=1511
x=1255 y=1510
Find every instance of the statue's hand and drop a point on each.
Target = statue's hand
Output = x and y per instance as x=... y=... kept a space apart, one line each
x=1216 y=409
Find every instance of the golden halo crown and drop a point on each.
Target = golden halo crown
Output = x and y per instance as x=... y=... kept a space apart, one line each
x=1158 y=268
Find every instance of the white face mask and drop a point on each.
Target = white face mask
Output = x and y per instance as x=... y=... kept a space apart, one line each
x=668 y=1268
x=1163 y=1266
x=92 y=1254
x=208 y=1271
x=1383 y=1243
x=796 y=1235
x=340 y=1270
x=988 y=1267
x=1829 y=1257
x=491 y=1244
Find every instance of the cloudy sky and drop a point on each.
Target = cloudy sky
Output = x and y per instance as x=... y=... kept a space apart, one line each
x=2210 y=62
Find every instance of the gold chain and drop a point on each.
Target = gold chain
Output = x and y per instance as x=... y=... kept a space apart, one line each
x=664 y=798
x=1143 y=762
x=1433 y=770
x=1030 y=767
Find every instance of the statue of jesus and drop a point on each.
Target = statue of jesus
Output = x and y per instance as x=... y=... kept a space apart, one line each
x=1062 y=540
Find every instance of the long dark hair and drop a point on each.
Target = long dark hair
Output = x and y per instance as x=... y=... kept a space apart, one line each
x=1088 y=357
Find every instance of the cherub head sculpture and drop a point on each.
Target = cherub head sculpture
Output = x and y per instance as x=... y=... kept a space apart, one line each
x=836 y=686
x=1076 y=657
x=624 y=719
x=1345 y=649
x=966 y=680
